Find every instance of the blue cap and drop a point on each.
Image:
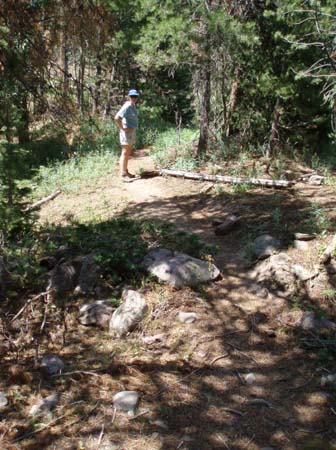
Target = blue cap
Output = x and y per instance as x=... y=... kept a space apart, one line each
x=133 y=93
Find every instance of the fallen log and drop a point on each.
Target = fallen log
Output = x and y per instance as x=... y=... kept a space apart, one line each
x=227 y=179
x=42 y=201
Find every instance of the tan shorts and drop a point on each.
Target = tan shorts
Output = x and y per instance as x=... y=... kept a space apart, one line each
x=127 y=137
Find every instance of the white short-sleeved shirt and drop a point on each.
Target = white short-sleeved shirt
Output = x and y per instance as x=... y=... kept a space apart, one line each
x=129 y=115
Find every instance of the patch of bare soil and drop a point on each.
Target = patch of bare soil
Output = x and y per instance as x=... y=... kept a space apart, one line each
x=241 y=376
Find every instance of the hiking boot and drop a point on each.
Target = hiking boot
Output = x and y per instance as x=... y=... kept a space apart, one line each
x=130 y=175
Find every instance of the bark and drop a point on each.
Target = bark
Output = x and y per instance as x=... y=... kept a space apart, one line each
x=205 y=85
x=233 y=100
x=228 y=179
x=274 y=138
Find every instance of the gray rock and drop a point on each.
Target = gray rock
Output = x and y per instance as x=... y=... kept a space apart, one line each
x=306 y=320
x=301 y=245
x=126 y=401
x=265 y=245
x=152 y=339
x=331 y=268
x=328 y=379
x=98 y=313
x=3 y=400
x=79 y=275
x=275 y=274
x=316 y=180
x=179 y=269
x=187 y=317
x=88 y=275
x=63 y=278
x=258 y=290
x=126 y=317
x=45 y=405
x=227 y=225
x=52 y=364
x=301 y=273
x=250 y=378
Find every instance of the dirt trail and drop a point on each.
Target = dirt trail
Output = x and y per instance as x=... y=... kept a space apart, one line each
x=237 y=378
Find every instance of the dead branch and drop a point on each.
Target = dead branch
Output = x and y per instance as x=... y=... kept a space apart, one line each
x=28 y=302
x=227 y=179
x=42 y=201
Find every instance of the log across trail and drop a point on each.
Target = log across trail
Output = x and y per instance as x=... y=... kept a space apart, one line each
x=228 y=179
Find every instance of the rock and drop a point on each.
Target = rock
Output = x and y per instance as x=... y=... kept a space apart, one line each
x=301 y=273
x=288 y=175
x=328 y=379
x=152 y=339
x=304 y=236
x=316 y=180
x=273 y=273
x=52 y=364
x=227 y=225
x=306 y=320
x=331 y=268
x=250 y=378
x=187 y=317
x=179 y=269
x=79 y=275
x=45 y=405
x=3 y=400
x=88 y=275
x=98 y=313
x=126 y=401
x=128 y=314
x=216 y=222
x=258 y=290
x=160 y=423
x=265 y=245
x=301 y=245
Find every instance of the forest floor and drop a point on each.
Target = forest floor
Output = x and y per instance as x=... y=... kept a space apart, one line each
x=240 y=376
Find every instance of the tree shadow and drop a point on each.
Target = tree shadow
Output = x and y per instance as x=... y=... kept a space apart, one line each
x=235 y=379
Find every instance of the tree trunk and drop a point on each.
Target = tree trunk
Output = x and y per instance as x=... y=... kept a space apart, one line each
x=233 y=100
x=23 y=127
x=205 y=93
x=274 y=138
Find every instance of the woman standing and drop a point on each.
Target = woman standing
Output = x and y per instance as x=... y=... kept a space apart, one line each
x=127 y=121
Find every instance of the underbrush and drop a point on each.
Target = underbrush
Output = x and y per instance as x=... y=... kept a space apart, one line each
x=119 y=245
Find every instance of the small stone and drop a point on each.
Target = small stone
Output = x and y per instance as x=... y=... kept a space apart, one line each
x=331 y=268
x=126 y=401
x=301 y=273
x=258 y=290
x=98 y=313
x=152 y=339
x=302 y=246
x=227 y=225
x=316 y=180
x=160 y=424
x=328 y=379
x=52 y=364
x=250 y=378
x=3 y=400
x=45 y=405
x=156 y=435
x=187 y=317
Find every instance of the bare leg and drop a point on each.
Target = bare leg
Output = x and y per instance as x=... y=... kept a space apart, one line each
x=126 y=151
